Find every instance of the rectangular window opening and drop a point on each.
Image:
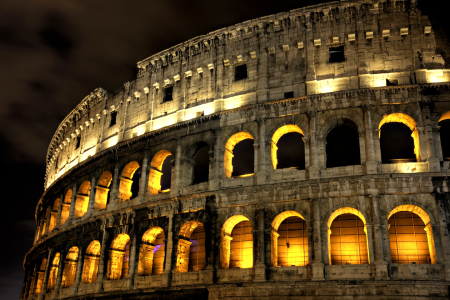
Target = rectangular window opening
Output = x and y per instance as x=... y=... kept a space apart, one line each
x=113 y=118
x=392 y=82
x=337 y=54
x=240 y=72
x=78 y=142
x=168 y=94
x=288 y=95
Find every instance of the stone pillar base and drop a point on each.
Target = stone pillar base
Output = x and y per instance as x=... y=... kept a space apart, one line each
x=381 y=270
x=214 y=185
x=371 y=167
x=318 y=271
x=167 y=277
x=261 y=178
x=314 y=172
x=434 y=165
x=260 y=273
x=447 y=271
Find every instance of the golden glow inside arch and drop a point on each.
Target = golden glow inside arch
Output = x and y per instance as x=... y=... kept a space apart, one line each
x=445 y=116
x=229 y=146
x=118 y=264
x=65 y=208
x=70 y=267
x=151 y=234
x=184 y=246
x=408 y=121
x=91 y=260
x=126 y=180
x=120 y=241
x=53 y=272
x=284 y=215
x=152 y=252
x=101 y=190
x=154 y=178
x=82 y=199
x=407 y=245
x=189 y=227
x=276 y=137
x=226 y=232
x=349 y=247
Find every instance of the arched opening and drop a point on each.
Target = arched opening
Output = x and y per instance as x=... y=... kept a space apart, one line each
x=288 y=148
x=127 y=178
x=342 y=145
x=191 y=254
x=54 y=215
x=40 y=278
x=53 y=272
x=399 y=139
x=160 y=175
x=90 y=266
x=237 y=243
x=239 y=155
x=70 y=268
x=411 y=236
x=102 y=191
x=119 y=257
x=44 y=221
x=152 y=252
x=347 y=237
x=65 y=208
x=289 y=240
x=201 y=164
x=444 y=132
x=82 y=199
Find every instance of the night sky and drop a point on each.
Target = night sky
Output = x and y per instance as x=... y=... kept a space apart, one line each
x=54 y=53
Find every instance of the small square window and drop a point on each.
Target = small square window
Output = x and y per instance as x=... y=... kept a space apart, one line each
x=392 y=82
x=168 y=94
x=113 y=118
x=337 y=54
x=78 y=142
x=288 y=95
x=240 y=72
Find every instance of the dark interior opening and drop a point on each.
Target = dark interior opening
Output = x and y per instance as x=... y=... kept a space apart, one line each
x=291 y=151
x=396 y=143
x=343 y=147
x=288 y=95
x=444 y=132
x=135 y=185
x=243 y=160
x=392 y=82
x=240 y=72
x=113 y=118
x=337 y=54
x=201 y=164
x=168 y=94
x=166 y=177
x=78 y=142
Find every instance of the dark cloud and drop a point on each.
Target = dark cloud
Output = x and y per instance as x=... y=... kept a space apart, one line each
x=54 y=53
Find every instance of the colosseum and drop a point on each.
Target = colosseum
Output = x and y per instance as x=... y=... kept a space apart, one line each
x=324 y=129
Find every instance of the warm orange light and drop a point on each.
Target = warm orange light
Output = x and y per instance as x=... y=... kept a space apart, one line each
x=245 y=175
x=116 y=256
x=126 y=180
x=70 y=268
x=229 y=146
x=154 y=178
x=152 y=252
x=91 y=260
x=276 y=137
x=82 y=199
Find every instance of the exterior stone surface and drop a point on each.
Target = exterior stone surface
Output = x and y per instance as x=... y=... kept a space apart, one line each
x=283 y=53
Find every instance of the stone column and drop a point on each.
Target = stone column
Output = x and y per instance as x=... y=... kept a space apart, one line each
x=433 y=161
x=371 y=162
x=317 y=265
x=144 y=179
x=262 y=173
x=72 y=203
x=444 y=232
x=79 y=267
x=314 y=169
x=133 y=250
x=59 y=275
x=115 y=188
x=169 y=245
x=214 y=181
x=175 y=185
x=47 y=221
x=58 y=217
x=260 y=269
x=101 y=263
x=380 y=263
x=91 y=204
x=47 y=267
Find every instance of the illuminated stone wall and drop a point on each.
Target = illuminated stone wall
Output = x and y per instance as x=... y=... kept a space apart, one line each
x=103 y=231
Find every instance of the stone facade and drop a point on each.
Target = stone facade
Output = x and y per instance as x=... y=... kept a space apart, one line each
x=107 y=228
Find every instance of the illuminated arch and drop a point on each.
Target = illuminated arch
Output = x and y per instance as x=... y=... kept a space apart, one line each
x=152 y=252
x=101 y=190
x=117 y=264
x=445 y=116
x=246 y=258
x=40 y=276
x=65 y=208
x=53 y=272
x=409 y=122
x=191 y=233
x=300 y=253
x=343 y=249
x=410 y=240
x=229 y=146
x=70 y=267
x=276 y=137
x=154 y=180
x=53 y=215
x=91 y=260
x=126 y=180
x=82 y=199
x=444 y=132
